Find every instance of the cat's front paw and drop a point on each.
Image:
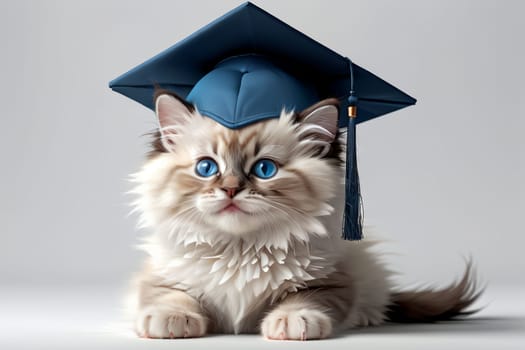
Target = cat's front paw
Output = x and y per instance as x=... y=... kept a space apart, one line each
x=301 y=324
x=167 y=322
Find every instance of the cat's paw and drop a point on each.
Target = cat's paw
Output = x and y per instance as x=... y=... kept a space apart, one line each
x=168 y=322
x=301 y=324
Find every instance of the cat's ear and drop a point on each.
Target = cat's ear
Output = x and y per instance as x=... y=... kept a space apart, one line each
x=172 y=113
x=320 y=121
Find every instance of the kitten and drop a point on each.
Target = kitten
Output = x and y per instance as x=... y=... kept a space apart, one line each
x=246 y=234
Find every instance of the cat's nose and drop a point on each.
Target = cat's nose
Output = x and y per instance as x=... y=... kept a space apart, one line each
x=230 y=191
x=231 y=185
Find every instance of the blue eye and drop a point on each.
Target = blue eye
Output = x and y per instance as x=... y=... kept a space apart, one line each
x=264 y=168
x=206 y=167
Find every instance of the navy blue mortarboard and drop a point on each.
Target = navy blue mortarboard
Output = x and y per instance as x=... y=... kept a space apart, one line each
x=248 y=65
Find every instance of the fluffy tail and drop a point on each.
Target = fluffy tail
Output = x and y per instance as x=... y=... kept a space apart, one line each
x=430 y=305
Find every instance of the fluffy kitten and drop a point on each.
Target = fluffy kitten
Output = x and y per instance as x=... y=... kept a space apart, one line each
x=234 y=252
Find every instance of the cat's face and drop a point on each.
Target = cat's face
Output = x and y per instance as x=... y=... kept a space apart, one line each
x=242 y=181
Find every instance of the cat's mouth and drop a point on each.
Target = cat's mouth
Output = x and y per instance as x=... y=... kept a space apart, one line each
x=231 y=208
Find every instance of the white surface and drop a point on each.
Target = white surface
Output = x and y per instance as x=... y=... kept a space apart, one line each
x=35 y=317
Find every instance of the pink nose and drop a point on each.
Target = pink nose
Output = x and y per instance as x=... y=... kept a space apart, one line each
x=230 y=185
x=230 y=191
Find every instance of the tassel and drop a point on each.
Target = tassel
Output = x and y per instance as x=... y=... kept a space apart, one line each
x=352 y=223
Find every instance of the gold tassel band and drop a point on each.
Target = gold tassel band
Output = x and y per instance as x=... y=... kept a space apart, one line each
x=352 y=111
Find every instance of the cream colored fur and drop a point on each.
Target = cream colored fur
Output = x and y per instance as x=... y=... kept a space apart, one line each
x=278 y=267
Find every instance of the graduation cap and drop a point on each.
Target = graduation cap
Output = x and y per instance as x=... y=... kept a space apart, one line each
x=247 y=66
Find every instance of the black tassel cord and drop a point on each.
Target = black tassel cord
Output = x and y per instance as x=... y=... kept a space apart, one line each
x=353 y=217
x=352 y=225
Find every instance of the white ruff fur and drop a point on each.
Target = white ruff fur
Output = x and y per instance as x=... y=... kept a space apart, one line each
x=237 y=275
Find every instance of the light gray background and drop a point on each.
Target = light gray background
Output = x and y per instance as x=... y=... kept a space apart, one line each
x=442 y=179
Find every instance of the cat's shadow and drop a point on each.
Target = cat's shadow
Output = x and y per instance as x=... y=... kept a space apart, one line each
x=474 y=325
